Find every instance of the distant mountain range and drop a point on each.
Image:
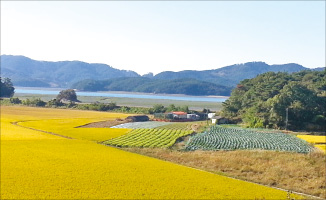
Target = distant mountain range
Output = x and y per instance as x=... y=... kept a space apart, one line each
x=186 y=86
x=26 y=72
x=233 y=74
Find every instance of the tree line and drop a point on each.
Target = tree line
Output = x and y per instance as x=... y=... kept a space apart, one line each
x=280 y=100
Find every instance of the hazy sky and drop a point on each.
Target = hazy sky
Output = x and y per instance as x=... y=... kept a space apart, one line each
x=155 y=36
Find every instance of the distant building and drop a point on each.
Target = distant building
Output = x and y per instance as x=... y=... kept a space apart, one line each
x=138 y=118
x=179 y=115
x=192 y=116
x=211 y=115
x=219 y=120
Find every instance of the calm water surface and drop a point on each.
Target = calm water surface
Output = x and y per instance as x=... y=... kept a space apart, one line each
x=123 y=95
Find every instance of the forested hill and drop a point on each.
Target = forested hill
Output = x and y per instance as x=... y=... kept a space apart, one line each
x=147 y=85
x=26 y=72
x=233 y=74
x=264 y=101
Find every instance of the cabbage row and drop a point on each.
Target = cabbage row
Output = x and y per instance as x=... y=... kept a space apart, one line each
x=148 y=138
x=220 y=138
x=179 y=125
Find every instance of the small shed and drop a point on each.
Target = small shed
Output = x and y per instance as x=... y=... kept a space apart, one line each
x=211 y=115
x=219 y=120
x=138 y=118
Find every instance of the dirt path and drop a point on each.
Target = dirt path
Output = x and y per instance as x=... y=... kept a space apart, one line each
x=104 y=124
x=16 y=124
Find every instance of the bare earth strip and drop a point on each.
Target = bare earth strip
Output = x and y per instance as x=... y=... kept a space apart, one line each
x=17 y=124
x=104 y=124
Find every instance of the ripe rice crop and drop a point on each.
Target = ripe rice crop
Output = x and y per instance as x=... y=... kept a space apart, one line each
x=67 y=127
x=322 y=147
x=318 y=141
x=220 y=138
x=148 y=138
x=37 y=165
x=314 y=139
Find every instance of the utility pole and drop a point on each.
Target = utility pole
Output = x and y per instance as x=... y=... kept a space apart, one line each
x=207 y=116
x=286 y=118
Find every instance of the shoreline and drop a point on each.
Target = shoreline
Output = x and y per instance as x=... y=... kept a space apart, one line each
x=123 y=92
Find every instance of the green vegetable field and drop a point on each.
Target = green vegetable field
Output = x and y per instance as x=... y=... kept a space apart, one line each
x=148 y=138
x=220 y=138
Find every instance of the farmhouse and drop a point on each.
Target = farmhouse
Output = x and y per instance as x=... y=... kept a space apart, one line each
x=138 y=118
x=179 y=115
x=192 y=116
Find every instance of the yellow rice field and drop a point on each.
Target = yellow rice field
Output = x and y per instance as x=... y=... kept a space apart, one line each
x=314 y=139
x=318 y=141
x=38 y=165
x=321 y=147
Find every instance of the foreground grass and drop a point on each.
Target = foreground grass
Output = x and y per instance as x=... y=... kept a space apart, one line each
x=291 y=171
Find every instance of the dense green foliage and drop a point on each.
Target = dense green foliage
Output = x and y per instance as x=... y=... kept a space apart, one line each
x=159 y=108
x=34 y=102
x=148 y=85
x=6 y=88
x=265 y=101
x=68 y=95
x=15 y=100
x=220 y=138
x=97 y=106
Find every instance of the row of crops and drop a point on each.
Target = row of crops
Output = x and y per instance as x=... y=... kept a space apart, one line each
x=157 y=125
x=136 y=125
x=221 y=138
x=148 y=138
x=179 y=125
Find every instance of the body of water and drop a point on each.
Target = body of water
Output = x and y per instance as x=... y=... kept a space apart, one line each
x=123 y=95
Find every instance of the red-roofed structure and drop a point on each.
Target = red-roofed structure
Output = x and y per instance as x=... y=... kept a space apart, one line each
x=179 y=113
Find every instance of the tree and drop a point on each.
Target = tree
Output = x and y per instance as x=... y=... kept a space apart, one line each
x=6 y=88
x=68 y=94
x=303 y=106
x=158 y=108
x=279 y=100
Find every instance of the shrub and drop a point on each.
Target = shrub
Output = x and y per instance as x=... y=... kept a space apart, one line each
x=54 y=103
x=34 y=102
x=15 y=100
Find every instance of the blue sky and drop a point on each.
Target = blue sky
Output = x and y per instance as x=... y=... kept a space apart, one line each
x=155 y=36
